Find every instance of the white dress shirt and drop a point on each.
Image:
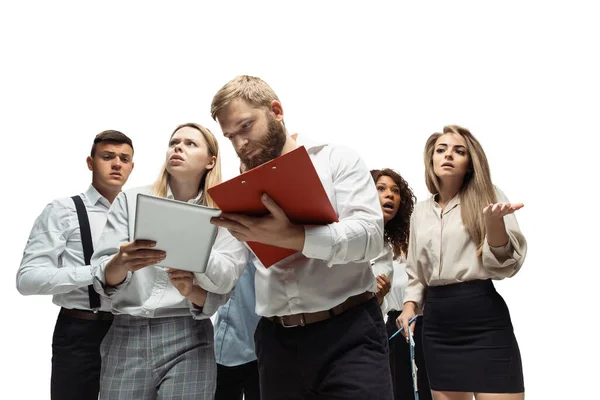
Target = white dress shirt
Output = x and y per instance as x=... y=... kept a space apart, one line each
x=148 y=292
x=335 y=261
x=395 y=298
x=441 y=251
x=383 y=264
x=53 y=261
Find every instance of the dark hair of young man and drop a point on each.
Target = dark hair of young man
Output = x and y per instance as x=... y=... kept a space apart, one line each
x=110 y=136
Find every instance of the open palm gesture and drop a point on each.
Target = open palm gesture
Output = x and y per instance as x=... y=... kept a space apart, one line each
x=499 y=210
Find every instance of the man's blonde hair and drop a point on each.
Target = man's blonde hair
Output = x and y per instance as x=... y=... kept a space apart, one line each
x=477 y=190
x=251 y=89
x=212 y=177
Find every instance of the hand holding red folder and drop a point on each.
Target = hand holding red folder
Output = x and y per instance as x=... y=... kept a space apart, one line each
x=291 y=181
x=274 y=229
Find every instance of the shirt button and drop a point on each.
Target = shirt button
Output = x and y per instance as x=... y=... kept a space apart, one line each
x=147 y=312
x=295 y=300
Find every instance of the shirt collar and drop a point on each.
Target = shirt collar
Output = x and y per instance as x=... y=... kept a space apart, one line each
x=312 y=146
x=453 y=203
x=93 y=196
x=195 y=200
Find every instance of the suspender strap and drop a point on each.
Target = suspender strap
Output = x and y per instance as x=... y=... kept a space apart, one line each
x=88 y=246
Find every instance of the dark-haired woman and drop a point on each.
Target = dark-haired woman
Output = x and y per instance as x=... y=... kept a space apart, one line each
x=397 y=203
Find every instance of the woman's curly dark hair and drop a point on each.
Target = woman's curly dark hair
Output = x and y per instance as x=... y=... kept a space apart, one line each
x=397 y=229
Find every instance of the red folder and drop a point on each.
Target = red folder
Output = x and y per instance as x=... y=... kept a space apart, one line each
x=292 y=181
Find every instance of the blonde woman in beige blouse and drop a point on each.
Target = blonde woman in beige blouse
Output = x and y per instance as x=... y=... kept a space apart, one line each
x=461 y=238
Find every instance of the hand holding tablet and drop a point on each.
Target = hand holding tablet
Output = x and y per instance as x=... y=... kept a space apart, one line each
x=182 y=230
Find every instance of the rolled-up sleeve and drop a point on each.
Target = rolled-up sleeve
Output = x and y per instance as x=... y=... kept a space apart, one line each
x=114 y=234
x=358 y=236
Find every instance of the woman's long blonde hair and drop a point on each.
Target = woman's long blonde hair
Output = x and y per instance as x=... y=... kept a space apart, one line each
x=477 y=190
x=211 y=178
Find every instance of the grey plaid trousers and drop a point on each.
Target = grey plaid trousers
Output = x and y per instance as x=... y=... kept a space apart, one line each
x=158 y=358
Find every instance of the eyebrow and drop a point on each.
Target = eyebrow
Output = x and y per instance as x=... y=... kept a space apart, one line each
x=456 y=145
x=112 y=153
x=182 y=139
x=383 y=184
x=238 y=125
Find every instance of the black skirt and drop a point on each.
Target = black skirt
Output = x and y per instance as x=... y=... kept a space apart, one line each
x=468 y=340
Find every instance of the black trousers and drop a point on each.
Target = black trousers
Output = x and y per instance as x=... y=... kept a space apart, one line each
x=76 y=358
x=400 y=362
x=238 y=381
x=344 y=357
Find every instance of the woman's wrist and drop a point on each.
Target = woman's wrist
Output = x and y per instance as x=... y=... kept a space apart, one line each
x=197 y=296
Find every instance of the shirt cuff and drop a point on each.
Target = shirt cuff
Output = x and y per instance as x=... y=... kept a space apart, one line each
x=211 y=305
x=109 y=291
x=83 y=275
x=501 y=252
x=317 y=242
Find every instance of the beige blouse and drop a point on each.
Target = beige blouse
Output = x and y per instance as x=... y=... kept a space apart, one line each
x=441 y=251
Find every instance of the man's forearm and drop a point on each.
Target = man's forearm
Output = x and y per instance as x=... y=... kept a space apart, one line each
x=114 y=273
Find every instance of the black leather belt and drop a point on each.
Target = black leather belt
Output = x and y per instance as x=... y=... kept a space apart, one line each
x=290 y=321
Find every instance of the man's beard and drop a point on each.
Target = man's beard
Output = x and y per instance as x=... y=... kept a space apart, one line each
x=270 y=146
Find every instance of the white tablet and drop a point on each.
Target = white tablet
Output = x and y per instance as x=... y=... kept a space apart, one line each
x=183 y=230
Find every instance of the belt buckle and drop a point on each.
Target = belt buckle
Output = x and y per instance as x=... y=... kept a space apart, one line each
x=302 y=322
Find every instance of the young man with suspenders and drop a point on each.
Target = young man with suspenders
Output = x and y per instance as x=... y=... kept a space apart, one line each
x=56 y=261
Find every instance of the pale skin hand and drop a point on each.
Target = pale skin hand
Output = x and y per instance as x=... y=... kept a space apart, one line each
x=132 y=257
x=493 y=217
x=408 y=312
x=184 y=283
x=383 y=287
x=274 y=229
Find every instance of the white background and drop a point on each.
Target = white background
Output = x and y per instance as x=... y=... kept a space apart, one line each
x=377 y=76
